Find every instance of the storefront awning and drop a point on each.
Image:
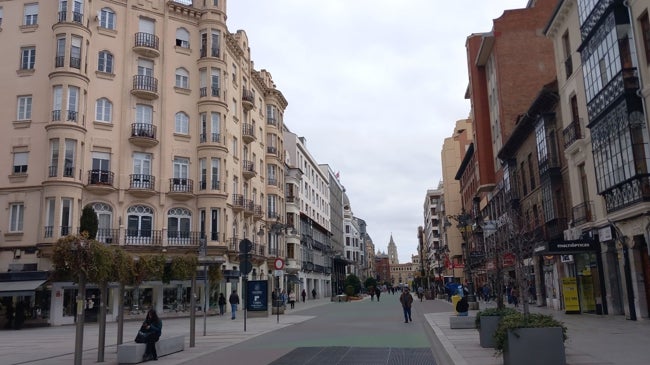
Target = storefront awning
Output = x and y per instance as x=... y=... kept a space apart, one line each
x=293 y=279
x=19 y=288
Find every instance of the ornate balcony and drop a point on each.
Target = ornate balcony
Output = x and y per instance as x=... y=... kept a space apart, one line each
x=141 y=185
x=583 y=213
x=249 y=207
x=142 y=237
x=183 y=238
x=248 y=133
x=143 y=135
x=100 y=181
x=146 y=44
x=181 y=188
x=145 y=87
x=248 y=169
x=247 y=99
x=237 y=203
x=572 y=133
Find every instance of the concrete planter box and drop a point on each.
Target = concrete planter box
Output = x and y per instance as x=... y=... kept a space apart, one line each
x=535 y=346
x=489 y=325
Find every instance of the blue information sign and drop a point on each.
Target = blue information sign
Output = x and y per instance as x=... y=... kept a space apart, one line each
x=257 y=295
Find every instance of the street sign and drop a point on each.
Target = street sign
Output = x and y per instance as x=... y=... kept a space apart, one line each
x=245 y=245
x=245 y=257
x=278 y=264
x=277 y=273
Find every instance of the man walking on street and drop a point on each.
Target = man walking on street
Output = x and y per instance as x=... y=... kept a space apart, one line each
x=406 y=299
x=234 y=301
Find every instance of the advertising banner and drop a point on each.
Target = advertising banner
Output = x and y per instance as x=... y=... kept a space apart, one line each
x=570 y=290
x=257 y=295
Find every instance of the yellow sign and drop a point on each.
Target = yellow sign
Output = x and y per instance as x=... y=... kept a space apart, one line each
x=570 y=290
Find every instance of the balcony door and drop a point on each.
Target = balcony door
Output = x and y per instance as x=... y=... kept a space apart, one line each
x=100 y=173
x=142 y=171
x=139 y=225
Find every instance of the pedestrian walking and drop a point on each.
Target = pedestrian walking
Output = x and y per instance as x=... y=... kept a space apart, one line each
x=420 y=293
x=377 y=292
x=234 y=302
x=292 y=299
x=407 y=300
x=303 y=295
x=486 y=292
x=222 y=304
x=372 y=294
x=313 y=293
x=514 y=293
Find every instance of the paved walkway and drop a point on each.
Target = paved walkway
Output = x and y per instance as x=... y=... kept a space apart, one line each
x=55 y=345
x=592 y=340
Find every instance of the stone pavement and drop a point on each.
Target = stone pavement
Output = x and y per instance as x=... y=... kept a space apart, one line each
x=55 y=345
x=592 y=340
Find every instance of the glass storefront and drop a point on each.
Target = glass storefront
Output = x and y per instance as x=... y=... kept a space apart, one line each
x=588 y=279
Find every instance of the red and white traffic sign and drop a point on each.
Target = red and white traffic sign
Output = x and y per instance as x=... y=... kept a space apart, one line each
x=278 y=264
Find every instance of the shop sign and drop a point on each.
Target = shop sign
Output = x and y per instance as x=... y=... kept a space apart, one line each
x=572 y=246
x=571 y=301
x=605 y=234
x=509 y=259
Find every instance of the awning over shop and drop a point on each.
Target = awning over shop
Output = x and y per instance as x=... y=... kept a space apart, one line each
x=293 y=279
x=19 y=288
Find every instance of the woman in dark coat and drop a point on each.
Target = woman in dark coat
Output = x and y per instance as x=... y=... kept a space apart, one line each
x=153 y=325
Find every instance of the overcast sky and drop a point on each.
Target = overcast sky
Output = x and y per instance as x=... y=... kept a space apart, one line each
x=374 y=86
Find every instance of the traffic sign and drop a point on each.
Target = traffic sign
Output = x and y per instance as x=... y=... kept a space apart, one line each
x=245 y=245
x=278 y=264
x=246 y=267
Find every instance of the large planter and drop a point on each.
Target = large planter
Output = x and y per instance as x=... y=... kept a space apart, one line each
x=489 y=325
x=535 y=346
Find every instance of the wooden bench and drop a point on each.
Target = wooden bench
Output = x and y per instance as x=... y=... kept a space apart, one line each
x=131 y=353
x=462 y=322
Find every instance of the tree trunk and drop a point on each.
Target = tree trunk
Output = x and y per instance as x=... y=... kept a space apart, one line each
x=79 y=334
x=120 y=313
x=103 y=295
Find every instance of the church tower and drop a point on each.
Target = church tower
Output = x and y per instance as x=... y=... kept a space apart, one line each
x=392 y=252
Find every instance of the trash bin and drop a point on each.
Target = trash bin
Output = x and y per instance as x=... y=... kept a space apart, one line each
x=454 y=300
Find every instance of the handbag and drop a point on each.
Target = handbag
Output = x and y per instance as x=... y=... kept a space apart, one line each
x=142 y=337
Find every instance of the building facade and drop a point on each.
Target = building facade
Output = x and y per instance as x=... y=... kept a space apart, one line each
x=314 y=217
x=152 y=114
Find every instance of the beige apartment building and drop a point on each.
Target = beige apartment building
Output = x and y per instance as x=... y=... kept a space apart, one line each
x=152 y=113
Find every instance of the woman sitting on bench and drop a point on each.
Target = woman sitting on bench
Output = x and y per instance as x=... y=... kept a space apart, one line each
x=152 y=326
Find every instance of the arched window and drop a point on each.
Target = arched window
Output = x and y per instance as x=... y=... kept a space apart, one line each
x=139 y=224
x=182 y=124
x=182 y=38
x=105 y=222
x=179 y=223
x=105 y=62
x=182 y=78
x=107 y=18
x=104 y=110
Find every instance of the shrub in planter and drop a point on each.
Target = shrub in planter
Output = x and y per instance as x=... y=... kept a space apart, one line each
x=493 y=312
x=487 y=322
x=536 y=339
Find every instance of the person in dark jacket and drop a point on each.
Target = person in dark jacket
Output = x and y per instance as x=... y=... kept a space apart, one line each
x=222 y=304
x=152 y=325
x=407 y=300
x=462 y=306
x=234 y=302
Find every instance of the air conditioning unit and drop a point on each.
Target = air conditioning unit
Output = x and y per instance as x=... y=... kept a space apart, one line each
x=18 y=253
